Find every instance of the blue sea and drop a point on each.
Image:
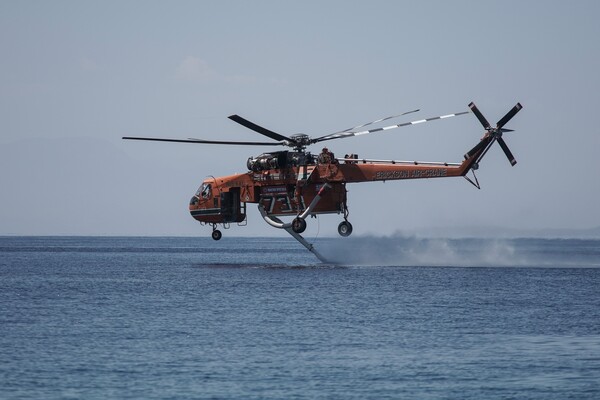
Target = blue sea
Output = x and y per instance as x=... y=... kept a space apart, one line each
x=262 y=318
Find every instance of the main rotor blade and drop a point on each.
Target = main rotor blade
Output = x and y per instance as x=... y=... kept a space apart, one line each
x=200 y=141
x=509 y=115
x=379 y=120
x=509 y=155
x=258 y=128
x=479 y=116
x=385 y=128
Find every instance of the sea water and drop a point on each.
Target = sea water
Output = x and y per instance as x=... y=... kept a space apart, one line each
x=262 y=318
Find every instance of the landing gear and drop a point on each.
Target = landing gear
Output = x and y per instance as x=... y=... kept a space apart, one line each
x=345 y=228
x=216 y=234
x=298 y=225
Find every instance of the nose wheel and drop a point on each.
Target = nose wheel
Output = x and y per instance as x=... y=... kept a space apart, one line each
x=345 y=228
x=216 y=234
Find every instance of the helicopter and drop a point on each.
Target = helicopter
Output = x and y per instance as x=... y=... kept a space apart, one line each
x=296 y=183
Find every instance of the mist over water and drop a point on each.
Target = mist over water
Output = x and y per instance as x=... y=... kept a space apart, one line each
x=401 y=250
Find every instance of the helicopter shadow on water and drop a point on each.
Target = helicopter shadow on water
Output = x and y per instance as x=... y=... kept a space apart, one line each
x=268 y=266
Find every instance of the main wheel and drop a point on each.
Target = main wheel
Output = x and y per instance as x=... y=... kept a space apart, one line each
x=216 y=234
x=298 y=225
x=345 y=228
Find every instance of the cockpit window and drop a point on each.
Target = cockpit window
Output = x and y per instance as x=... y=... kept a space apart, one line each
x=205 y=190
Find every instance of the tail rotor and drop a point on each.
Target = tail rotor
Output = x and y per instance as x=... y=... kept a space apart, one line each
x=494 y=134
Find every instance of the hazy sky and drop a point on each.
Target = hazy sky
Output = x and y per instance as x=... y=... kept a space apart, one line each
x=75 y=76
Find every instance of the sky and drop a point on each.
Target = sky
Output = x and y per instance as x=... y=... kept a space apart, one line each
x=76 y=76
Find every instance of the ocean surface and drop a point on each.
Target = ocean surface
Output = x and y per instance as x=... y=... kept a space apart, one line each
x=262 y=318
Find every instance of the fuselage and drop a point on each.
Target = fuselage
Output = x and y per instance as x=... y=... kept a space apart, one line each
x=288 y=188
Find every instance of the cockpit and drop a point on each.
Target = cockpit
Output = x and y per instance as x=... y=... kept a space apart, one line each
x=204 y=192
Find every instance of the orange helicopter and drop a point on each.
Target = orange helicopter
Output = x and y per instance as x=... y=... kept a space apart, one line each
x=295 y=183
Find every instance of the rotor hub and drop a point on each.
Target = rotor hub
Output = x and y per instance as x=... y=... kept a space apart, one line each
x=300 y=138
x=299 y=141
